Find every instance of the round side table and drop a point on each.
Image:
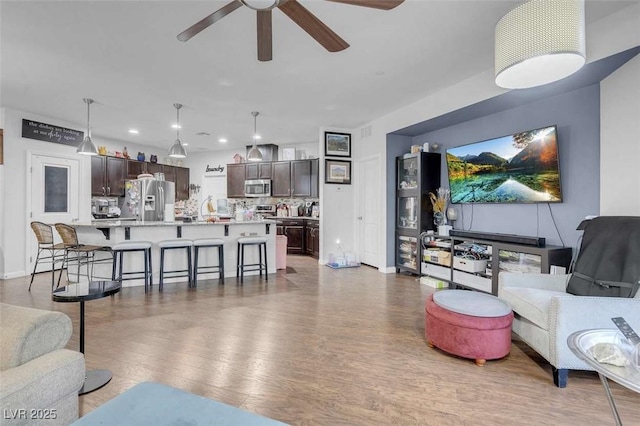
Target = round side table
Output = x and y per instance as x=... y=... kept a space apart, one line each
x=81 y=292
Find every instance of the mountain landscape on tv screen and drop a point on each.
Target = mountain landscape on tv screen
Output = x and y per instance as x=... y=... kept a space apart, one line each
x=530 y=175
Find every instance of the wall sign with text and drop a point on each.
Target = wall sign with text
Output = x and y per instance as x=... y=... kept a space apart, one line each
x=50 y=133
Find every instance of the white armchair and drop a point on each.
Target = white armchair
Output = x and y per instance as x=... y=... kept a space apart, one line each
x=545 y=316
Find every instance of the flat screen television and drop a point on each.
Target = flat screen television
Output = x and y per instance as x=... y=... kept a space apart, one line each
x=518 y=168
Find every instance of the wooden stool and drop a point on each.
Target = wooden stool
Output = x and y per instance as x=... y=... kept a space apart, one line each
x=241 y=268
x=120 y=249
x=208 y=243
x=177 y=244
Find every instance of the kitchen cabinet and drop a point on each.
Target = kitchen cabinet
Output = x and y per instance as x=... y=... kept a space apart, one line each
x=235 y=180
x=169 y=173
x=108 y=175
x=301 y=178
x=315 y=178
x=416 y=176
x=312 y=238
x=135 y=168
x=259 y=170
x=281 y=184
x=293 y=229
x=298 y=178
x=182 y=183
x=154 y=168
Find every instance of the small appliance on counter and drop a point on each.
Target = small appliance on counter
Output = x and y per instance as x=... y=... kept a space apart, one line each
x=105 y=208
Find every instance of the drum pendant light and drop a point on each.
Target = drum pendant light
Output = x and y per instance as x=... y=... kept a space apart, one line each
x=177 y=149
x=539 y=42
x=87 y=147
x=254 y=153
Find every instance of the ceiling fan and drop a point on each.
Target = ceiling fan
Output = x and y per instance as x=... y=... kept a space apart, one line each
x=294 y=10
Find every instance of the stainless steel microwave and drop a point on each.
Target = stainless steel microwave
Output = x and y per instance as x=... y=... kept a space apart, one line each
x=257 y=188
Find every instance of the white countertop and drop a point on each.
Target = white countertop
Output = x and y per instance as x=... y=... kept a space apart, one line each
x=105 y=223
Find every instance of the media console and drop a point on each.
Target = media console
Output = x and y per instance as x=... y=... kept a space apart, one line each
x=505 y=238
x=474 y=259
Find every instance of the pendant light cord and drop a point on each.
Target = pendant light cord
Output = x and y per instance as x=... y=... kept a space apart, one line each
x=178 y=106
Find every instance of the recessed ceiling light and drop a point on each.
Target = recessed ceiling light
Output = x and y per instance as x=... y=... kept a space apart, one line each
x=176 y=126
x=185 y=144
x=222 y=140
x=133 y=131
x=257 y=137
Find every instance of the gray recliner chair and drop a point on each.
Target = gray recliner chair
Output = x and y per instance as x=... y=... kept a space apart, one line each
x=549 y=308
x=39 y=379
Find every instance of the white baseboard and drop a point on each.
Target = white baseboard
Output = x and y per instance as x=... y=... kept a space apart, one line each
x=11 y=275
x=388 y=270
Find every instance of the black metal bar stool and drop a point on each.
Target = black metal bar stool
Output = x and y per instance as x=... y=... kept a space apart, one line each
x=208 y=243
x=241 y=268
x=177 y=244
x=118 y=273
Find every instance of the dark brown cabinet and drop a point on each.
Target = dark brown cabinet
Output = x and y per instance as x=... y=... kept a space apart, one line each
x=108 y=175
x=298 y=178
x=261 y=170
x=312 y=238
x=235 y=180
x=169 y=173
x=135 y=168
x=293 y=229
x=154 y=168
x=281 y=185
x=182 y=183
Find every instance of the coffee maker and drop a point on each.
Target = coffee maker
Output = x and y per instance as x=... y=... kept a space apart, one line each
x=308 y=208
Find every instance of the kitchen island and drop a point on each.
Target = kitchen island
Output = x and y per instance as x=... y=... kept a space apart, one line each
x=111 y=232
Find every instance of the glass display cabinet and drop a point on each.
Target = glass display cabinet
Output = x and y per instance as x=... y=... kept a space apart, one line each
x=416 y=176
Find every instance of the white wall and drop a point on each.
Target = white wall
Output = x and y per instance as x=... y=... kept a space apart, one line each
x=620 y=141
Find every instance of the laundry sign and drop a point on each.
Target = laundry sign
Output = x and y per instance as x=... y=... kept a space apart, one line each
x=214 y=170
x=51 y=133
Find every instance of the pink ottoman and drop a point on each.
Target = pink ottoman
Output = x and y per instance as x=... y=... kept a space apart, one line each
x=469 y=324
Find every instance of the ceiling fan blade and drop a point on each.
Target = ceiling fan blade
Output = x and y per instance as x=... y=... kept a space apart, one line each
x=313 y=26
x=265 y=51
x=209 y=20
x=376 y=4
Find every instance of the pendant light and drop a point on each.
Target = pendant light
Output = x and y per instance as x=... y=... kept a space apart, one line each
x=539 y=42
x=254 y=153
x=177 y=149
x=87 y=147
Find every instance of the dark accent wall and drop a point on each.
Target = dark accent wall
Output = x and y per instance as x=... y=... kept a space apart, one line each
x=577 y=115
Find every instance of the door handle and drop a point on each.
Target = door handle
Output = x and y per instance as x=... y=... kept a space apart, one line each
x=109 y=190
x=359 y=217
x=104 y=192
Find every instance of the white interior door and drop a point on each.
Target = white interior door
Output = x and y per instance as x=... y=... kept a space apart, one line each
x=368 y=211
x=55 y=195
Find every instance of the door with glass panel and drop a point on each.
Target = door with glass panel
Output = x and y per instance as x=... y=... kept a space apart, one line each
x=55 y=195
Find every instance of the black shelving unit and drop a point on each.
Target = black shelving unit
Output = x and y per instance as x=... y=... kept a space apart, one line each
x=416 y=176
x=475 y=263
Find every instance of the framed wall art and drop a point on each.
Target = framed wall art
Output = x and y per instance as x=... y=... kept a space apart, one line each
x=337 y=171
x=337 y=144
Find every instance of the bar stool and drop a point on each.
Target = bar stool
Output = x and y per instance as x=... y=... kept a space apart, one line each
x=241 y=268
x=118 y=262
x=208 y=243
x=48 y=250
x=81 y=254
x=176 y=244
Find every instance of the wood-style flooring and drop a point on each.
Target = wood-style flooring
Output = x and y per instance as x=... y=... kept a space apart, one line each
x=317 y=346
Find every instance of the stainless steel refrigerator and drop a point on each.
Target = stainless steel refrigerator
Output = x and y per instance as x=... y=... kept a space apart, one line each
x=149 y=200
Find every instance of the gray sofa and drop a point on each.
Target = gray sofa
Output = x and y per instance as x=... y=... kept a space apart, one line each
x=39 y=379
